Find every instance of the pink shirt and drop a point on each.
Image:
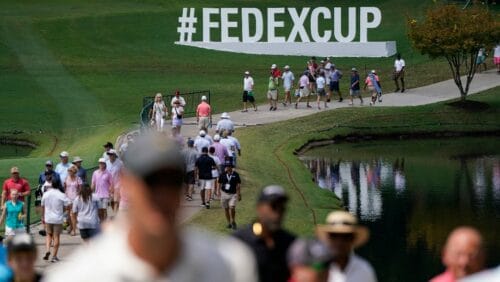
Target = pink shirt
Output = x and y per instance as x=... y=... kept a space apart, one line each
x=368 y=81
x=446 y=276
x=220 y=151
x=203 y=109
x=72 y=187
x=102 y=181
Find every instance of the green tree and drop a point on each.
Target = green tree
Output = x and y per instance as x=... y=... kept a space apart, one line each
x=457 y=35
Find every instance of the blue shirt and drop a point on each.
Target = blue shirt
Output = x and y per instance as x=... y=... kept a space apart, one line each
x=355 y=78
x=12 y=218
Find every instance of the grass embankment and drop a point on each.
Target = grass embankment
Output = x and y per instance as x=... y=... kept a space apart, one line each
x=269 y=151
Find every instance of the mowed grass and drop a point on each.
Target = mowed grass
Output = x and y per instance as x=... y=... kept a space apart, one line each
x=268 y=152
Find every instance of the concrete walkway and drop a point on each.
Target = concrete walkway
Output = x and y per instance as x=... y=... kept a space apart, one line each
x=438 y=92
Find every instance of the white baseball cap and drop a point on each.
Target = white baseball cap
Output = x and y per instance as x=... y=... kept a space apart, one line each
x=373 y=71
x=102 y=160
x=202 y=133
x=216 y=137
x=203 y=98
x=273 y=66
x=287 y=67
x=64 y=154
x=247 y=72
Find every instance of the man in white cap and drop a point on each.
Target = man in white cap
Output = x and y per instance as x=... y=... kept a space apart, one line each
x=82 y=172
x=200 y=142
x=343 y=234
x=203 y=113
x=221 y=151
x=225 y=123
x=114 y=166
x=62 y=167
x=372 y=81
x=102 y=186
x=148 y=243
x=288 y=80
x=248 y=91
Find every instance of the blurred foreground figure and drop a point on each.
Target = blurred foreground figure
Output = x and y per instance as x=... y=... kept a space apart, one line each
x=148 y=244
x=268 y=240
x=343 y=234
x=22 y=257
x=463 y=254
x=308 y=260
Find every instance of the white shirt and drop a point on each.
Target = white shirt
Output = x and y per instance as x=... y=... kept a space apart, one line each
x=203 y=257
x=231 y=147
x=496 y=51
x=54 y=202
x=399 y=64
x=248 y=83
x=288 y=79
x=320 y=82
x=235 y=141
x=225 y=124
x=114 y=169
x=201 y=142
x=62 y=170
x=357 y=269
x=181 y=100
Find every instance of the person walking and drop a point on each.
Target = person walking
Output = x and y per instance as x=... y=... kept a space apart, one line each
x=272 y=91
x=203 y=113
x=320 y=83
x=81 y=172
x=354 y=88
x=72 y=187
x=230 y=186
x=114 y=166
x=215 y=172
x=204 y=166
x=230 y=146
x=266 y=237
x=13 y=213
x=177 y=116
x=149 y=243
x=399 y=73
x=374 y=87
x=496 y=57
x=48 y=182
x=159 y=113
x=288 y=82
x=335 y=76
x=55 y=176
x=225 y=124
x=62 y=167
x=304 y=90
x=102 y=186
x=190 y=156
x=237 y=147
x=108 y=146
x=15 y=182
x=53 y=203
x=85 y=211
x=221 y=151
x=248 y=92
x=200 y=142
x=343 y=234
x=481 y=60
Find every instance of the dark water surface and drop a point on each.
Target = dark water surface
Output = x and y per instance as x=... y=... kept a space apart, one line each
x=13 y=151
x=411 y=194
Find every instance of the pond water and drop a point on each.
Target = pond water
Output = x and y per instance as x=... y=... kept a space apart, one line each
x=410 y=194
x=13 y=151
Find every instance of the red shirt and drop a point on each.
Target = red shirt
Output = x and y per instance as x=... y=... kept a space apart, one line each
x=446 y=276
x=276 y=73
x=22 y=186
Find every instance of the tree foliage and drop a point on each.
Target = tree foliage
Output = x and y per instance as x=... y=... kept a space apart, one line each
x=457 y=35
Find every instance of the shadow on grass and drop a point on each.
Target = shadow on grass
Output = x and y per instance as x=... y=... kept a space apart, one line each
x=470 y=106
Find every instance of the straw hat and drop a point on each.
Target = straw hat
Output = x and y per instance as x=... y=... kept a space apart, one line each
x=341 y=222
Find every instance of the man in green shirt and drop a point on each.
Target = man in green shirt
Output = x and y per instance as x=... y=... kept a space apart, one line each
x=272 y=92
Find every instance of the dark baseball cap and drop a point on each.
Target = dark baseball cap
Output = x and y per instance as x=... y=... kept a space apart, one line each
x=272 y=193
x=108 y=145
x=152 y=153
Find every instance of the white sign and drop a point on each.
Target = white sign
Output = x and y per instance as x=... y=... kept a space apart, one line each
x=306 y=38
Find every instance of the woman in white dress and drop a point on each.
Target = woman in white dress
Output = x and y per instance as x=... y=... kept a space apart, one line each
x=159 y=112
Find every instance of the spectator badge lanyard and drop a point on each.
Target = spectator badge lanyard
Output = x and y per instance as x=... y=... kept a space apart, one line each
x=228 y=184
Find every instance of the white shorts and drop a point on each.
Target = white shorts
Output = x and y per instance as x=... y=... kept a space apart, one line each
x=304 y=92
x=14 y=231
x=272 y=94
x=228 y=200
x=207 y=184
x=103 y=203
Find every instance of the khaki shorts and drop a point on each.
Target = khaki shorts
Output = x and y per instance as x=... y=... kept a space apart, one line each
x=203 y=122
x=207 y=184
x=304 y=92
x=228 y=200
x=272 y=94
x=54 y=229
